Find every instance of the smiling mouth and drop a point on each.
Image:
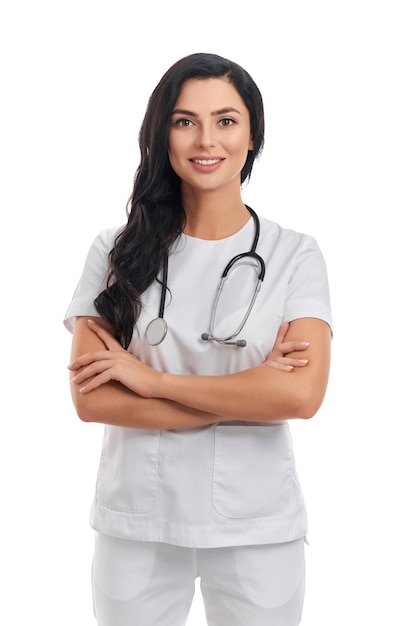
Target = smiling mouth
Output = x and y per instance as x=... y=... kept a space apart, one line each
x=206 y=161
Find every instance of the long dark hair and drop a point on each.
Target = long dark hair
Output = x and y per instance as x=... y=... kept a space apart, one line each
x=155 y=213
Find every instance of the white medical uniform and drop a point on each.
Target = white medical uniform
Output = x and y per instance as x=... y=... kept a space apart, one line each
x=232 y=483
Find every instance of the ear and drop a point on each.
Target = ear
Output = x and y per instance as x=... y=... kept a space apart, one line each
x=251 y=144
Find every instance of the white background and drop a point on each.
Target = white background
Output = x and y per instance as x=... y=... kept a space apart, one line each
x=339 y=80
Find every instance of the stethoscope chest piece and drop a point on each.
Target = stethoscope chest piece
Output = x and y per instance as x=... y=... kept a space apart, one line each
x=156 y=331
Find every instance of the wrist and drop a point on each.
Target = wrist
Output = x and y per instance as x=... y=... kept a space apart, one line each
x=162 y=389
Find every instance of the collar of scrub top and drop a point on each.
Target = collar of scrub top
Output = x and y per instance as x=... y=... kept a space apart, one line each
x=157 y=329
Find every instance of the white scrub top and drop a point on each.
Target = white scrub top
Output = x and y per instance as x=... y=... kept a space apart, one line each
x=232 y=483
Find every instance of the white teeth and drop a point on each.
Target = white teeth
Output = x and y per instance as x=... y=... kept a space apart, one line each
x=206 y=161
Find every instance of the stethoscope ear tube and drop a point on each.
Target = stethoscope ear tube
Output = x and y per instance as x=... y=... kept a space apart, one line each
x=243 y=255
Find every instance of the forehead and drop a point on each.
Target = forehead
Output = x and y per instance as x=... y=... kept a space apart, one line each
x=209 y=94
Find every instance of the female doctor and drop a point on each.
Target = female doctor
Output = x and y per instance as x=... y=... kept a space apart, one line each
x=189 y=324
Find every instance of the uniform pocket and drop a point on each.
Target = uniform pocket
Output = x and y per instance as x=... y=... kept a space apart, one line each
x=253 y=471
x=127 y=479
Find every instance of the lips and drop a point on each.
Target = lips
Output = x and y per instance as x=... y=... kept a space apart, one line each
x=206 y=161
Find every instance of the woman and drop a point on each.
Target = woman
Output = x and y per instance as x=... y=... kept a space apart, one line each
x=195 y=384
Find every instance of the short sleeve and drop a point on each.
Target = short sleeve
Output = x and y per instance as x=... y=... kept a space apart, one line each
x=93 y=278
x=308 y=288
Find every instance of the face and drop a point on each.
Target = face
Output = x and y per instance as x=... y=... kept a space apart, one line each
x=210 y=134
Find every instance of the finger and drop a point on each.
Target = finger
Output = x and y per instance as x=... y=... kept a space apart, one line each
x=282 y=333
x=88 y=358
x=298 y=362
x=277 y=365
x=292 y=346
x=94 y=369
x=287 y=362
x=110 y=342
x=97 y=381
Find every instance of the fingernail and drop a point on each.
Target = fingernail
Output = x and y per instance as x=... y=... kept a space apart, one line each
x=304 y=343
x=303 y=361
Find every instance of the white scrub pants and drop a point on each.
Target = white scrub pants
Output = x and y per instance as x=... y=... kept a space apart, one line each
x=152 y=584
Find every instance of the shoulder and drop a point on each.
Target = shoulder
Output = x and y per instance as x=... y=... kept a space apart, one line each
x=96 y=261
x=105 y=239
x=102 y=244
x=286 y=238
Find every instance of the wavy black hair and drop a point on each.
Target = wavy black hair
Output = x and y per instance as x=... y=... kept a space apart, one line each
x=155 y=213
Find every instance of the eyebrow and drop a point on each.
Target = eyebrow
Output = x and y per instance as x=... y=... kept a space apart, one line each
x=218 y=112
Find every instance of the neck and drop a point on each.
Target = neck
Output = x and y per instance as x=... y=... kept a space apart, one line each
x=214 y=215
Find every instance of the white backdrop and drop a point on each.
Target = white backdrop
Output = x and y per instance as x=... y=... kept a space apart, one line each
x=339 y=80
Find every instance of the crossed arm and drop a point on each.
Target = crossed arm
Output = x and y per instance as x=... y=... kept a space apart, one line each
x=111 y=386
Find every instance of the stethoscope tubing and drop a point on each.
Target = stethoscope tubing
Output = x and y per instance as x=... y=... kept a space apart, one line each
x=157 y=328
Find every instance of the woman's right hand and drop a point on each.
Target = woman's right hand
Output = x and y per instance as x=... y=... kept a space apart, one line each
x=114 y=363
x=278 y=359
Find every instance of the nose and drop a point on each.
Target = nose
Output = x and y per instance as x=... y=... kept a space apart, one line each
x=206 y=136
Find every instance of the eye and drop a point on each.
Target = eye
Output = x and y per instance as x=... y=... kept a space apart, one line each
x=226 y=121
x=182 y=122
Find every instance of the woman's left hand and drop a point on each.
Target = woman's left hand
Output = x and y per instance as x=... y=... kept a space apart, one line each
x=278 y=359
x=115 y=364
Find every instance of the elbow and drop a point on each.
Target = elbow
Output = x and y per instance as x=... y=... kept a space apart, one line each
x=307 y=412
x=301 y=408
x=83 y=406
x=308 y=405
x=305 y=405
x=84 y=416
x=298 y=396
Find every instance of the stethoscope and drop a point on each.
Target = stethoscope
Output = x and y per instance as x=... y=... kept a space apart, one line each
x=157 y=329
